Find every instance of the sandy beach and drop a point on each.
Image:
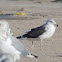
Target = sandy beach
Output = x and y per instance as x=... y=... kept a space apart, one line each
x=36 y=14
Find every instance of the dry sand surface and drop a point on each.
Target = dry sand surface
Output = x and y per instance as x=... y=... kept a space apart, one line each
x=36 y=13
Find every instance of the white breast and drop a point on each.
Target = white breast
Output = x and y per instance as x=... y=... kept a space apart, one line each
x=50 y=31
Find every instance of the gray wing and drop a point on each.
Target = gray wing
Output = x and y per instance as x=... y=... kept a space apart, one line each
x=19 y=46
x=35 y=32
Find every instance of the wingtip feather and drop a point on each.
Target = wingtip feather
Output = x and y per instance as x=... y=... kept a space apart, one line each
x=32 y=56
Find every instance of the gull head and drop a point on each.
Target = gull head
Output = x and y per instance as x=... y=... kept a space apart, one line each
x=3 y=24
x=51 y=22
x=4 y=29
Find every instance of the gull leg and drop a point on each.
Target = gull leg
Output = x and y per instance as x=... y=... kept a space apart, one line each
x=32 y=47
x=40 y=44
x=32 y=44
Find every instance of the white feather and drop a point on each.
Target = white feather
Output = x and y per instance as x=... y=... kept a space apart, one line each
x=9 y=44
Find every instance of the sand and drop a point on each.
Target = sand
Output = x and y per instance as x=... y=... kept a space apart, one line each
x=36 y=14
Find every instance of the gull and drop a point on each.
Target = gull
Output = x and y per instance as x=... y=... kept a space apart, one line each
x=4 y=57
x=40 y=33
x=11 y=45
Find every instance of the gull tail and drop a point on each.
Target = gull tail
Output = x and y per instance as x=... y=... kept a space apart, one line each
x=32 y=56
x=19 y=37
x=22 y=37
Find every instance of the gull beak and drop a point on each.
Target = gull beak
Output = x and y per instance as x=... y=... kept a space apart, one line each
x=56 y=24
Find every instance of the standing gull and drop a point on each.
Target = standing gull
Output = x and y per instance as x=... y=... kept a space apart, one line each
x=10 y=45
x=43 y=32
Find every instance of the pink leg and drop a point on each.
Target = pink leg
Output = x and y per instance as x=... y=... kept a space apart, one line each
x=40 y=44
x=32 y=47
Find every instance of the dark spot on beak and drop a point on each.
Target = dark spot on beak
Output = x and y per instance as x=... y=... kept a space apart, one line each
x=57 y=25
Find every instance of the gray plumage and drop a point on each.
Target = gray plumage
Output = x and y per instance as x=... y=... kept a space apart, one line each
x=4 y=57
x=19 y=46
x=34 y=33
